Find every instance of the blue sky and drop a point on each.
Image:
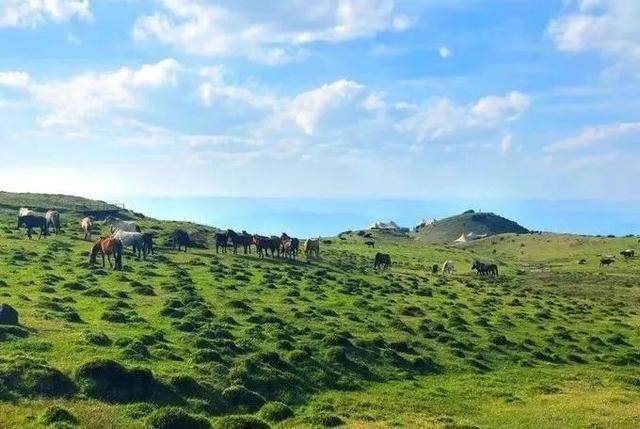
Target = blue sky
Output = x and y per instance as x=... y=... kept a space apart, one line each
x=334 y=98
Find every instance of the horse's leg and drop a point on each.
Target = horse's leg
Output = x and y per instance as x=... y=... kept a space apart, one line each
x=102 y=259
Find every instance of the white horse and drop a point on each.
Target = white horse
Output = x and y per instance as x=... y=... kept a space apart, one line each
x=26 y=212
x=133 y=239
x=53 y=220
x=87 y=227
x=122 y=225
x=448 y=267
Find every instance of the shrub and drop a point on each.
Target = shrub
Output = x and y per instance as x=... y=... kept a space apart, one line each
x=176 y=418
x=240 y=396
x=241 y=422
x=275 y=412
x=33 y=378
x=55 y=414
x=109 y=381
x=325 y=419
x=97 y=339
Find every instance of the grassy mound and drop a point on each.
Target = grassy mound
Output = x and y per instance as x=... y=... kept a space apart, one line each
x=175 y=418
x=449 y=229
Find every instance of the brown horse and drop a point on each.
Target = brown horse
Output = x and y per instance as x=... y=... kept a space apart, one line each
x=108 y=246
x=263 y=244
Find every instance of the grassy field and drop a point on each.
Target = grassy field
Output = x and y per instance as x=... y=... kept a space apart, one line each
x=235 y=341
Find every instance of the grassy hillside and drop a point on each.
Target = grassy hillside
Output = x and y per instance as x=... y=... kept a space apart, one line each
x=320 y=344
x=449 y=229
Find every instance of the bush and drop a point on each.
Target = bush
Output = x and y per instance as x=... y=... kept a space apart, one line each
x=33 y=378
x=176 y=418
x=240 y=396
x=275 y=412
x=326 y=420
x=55 y=414
x=109 y=381
x=241 y=422
x=97 y=339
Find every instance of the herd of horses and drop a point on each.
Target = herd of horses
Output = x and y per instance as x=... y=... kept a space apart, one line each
x=125 y=234
x=274 y=246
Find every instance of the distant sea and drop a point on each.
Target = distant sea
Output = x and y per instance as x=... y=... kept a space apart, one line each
x=307 y=217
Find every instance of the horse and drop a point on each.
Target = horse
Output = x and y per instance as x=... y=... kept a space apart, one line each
x=370 y=243
x=382 y=261
x=582 y=261
x=147 y=239
x=26 y=212
x=448 y=267
x=133 y=239
x=629 y=253
x=33 y=221
x=222 y=240
x=87 y=227
x=247 y=240
x=289 y=246
x=605 y=261
x=53 y=220
x=180 y=238
x=263 y=244
x=274 y=245
x=108 y=246
x=484 y=268
x=238 y=240
x=122 y=225
x=435 y=269
x=312 y=246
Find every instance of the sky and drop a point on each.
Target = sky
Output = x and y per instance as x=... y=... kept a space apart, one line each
x=331 y=98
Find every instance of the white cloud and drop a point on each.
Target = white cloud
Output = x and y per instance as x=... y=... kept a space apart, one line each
x=15 y=79
x=85 y=96
x=374 y=101
x=308 y=108
x=441 y=117
x=591 y=135
x=31 y=13
x=506 y=142
x=444 y=52
x=608 y=27
x=267 y=32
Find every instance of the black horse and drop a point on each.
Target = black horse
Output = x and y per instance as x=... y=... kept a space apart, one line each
x=222 y=240
x=274 y=245
x=382 y=261
x=33 y=221
x=147 y=239
x=180 y=238
x=485 y=268
x=289 y=246
x=247 y=240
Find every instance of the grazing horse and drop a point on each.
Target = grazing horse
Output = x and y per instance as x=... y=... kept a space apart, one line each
x=108 y=246
x=180 y=238
x=263 y=244
x=289 y=246
x=605 y=261
x=147 y=239
x=629 y=253
x=87 y=227
x=222 y=240
x=370 y=243
x=484 y=268
x=33 y=221
x=448 y=267
x=382 y=261
x=312 y=246
x=133 y=239
x=53 y=220
x=122 y=225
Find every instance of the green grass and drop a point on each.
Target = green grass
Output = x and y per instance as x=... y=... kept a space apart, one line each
x=549 y=343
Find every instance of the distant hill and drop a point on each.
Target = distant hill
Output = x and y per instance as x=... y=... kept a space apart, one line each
x=450 y=229
x=11 y=200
